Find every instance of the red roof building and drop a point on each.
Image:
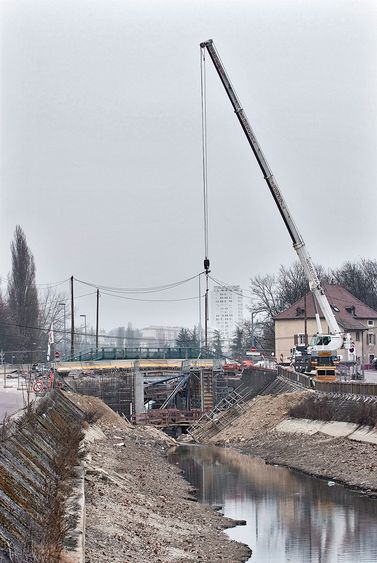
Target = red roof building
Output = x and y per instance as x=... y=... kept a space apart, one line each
x=353 y=316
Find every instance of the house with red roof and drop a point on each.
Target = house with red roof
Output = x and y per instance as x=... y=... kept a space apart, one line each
x=297 y=323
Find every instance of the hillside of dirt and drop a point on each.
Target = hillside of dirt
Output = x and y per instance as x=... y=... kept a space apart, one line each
x=139 y=509
x=337 y=459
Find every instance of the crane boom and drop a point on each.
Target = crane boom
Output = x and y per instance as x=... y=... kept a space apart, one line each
x=298 y=242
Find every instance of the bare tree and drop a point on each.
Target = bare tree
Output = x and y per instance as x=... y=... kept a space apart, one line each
x=360 y=279
x=274 y=293
x=52 y=312
x=22 y=291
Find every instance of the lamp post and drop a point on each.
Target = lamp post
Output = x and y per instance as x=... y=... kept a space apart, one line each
x=84 y=328
x=62 y=304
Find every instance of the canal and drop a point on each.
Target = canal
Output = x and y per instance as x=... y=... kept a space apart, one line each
x=290 y=517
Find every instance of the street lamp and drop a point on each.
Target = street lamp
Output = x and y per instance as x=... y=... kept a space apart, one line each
x=84 y=328
x=62 y=304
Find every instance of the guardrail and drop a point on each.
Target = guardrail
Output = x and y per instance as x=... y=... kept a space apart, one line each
x=296 y=377
x=347 y=388
x=342 y=387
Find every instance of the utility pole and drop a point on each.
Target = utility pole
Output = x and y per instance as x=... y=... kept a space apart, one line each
x=72 y=322
x=97 y=318
x=200 y=315
x=62 y=304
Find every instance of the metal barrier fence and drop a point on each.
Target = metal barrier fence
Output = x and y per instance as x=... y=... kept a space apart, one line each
x=295 y=376
x=347 y=388
x=342 y=387
x=111 y=353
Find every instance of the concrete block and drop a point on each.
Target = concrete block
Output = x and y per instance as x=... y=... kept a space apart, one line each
x=364 y=434
x=338 y=429
x=300 y=426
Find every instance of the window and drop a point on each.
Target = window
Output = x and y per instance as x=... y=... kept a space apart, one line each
x=370 y=323
x=299 y=339
x=371 y=338
x=357 y=336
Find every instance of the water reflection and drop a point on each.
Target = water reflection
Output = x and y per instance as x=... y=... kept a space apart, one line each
x=290 y=517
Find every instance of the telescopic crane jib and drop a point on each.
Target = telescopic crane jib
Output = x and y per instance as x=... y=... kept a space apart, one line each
x=324 y=346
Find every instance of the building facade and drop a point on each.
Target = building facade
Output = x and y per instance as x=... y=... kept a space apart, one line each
x=352 y=315
x=226 y=311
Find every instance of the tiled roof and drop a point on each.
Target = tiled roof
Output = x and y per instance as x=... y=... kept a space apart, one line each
x=352 y=313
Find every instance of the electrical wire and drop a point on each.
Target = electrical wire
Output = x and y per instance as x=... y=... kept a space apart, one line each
x=150 y=300
x=41 y=285
x=85 y=295
x=152 y=289
x=228 y=287
x=103 y=336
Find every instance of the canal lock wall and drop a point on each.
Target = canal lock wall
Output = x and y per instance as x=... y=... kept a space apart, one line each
x=39 y=470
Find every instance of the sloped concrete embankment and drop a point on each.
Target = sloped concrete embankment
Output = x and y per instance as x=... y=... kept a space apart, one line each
x=334 y=450
x=39 y=455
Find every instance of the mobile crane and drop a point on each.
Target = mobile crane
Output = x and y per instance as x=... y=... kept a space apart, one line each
x=323 y=348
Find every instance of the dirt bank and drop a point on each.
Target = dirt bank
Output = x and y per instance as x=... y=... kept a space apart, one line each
x=338 y=459
x=138 y=507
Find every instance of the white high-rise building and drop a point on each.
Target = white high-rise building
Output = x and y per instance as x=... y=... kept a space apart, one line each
x=226 y=311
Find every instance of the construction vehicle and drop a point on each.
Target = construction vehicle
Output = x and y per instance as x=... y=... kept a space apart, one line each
x=324 y=346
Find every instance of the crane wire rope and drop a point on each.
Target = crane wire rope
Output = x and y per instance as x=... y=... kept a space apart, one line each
x=203 y=96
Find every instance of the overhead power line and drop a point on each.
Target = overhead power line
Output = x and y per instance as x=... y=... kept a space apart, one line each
x=150 y=300
x=151 y=289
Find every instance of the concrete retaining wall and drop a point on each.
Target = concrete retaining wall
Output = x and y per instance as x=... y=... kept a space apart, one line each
x=29 y=474
x=257 y=379
x=333 y=428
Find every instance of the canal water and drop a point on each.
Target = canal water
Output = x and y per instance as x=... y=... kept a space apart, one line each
x=290 y=517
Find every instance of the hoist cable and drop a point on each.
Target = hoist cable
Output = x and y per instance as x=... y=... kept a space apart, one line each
x=203 y=94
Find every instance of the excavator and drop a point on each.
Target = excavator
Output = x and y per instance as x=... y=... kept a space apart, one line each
x=323 y=349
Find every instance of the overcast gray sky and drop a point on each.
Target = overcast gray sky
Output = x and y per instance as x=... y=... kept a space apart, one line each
x=101 y=141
